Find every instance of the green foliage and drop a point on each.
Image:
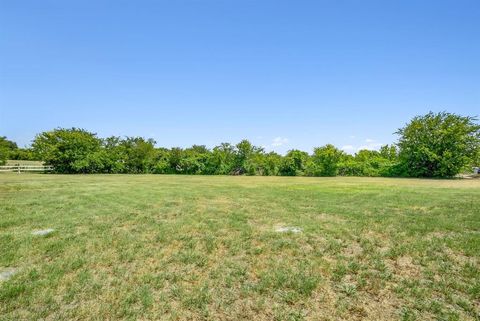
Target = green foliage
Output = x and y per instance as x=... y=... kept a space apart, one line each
x=438 y=144
x=137 y=154
x=69 y=150
x=389 y=152
x=246 y=158
x=350 y=167
x=161 y=161
x=271 y=164
x=475 y=162
x=23 y=154
x=434 y=145
x=294 y=163
x=7 y=147
x=193 y=160
x=113 y=155
x=371 y=163
x=222 y=160
x=325 y=161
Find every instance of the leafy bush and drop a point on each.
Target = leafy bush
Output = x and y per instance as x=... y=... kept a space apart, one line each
x=438 y=145
x=325 y=161
x=294 y=163
x=68 y=150
x=7 y=147
x=433 y=145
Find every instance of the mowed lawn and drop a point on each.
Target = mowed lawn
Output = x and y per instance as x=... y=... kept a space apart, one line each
x=159 y=247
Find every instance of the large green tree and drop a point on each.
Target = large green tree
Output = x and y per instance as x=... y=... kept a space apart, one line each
x=113 y=155
x=138 y=154
x=438 y=144
x=294 y=163
x=222 y=160
x=325 y=160
x=195 y=160
x=245 y=155
x=71 y=150
x=7 y=147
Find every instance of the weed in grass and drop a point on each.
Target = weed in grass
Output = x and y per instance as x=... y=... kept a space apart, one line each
x=339 y=272
x=198 y=298
x=300 y=281
x=348 y=289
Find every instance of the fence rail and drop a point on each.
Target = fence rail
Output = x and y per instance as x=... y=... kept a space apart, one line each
x=26 y=168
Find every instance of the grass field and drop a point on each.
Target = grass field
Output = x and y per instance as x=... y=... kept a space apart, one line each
x=207 y=248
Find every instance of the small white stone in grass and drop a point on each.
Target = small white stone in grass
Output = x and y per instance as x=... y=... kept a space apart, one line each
x=285 y=229
x=43 y=232
x=7 y=273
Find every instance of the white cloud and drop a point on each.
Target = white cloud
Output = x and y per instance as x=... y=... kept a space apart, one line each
x=348 y=148
x=370 y=144
x=279 y=141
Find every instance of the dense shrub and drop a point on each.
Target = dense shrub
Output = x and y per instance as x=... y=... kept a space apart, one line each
x=69 y=150
x=6 y=149
x=438 y=145
x=325 y=161
x=294 y=163
x=350 y=167
x=434 y=145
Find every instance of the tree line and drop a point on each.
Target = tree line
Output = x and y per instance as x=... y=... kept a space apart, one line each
x=432 y=145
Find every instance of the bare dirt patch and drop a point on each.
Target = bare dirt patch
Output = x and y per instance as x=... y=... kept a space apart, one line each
x=404 y=266
x=353 y=250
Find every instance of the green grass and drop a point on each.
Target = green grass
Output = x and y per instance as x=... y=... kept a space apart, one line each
x=205 y=248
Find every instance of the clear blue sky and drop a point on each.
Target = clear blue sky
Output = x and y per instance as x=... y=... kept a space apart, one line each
x=284 y=74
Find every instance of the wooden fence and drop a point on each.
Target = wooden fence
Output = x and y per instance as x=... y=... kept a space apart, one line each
x=26 y=168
